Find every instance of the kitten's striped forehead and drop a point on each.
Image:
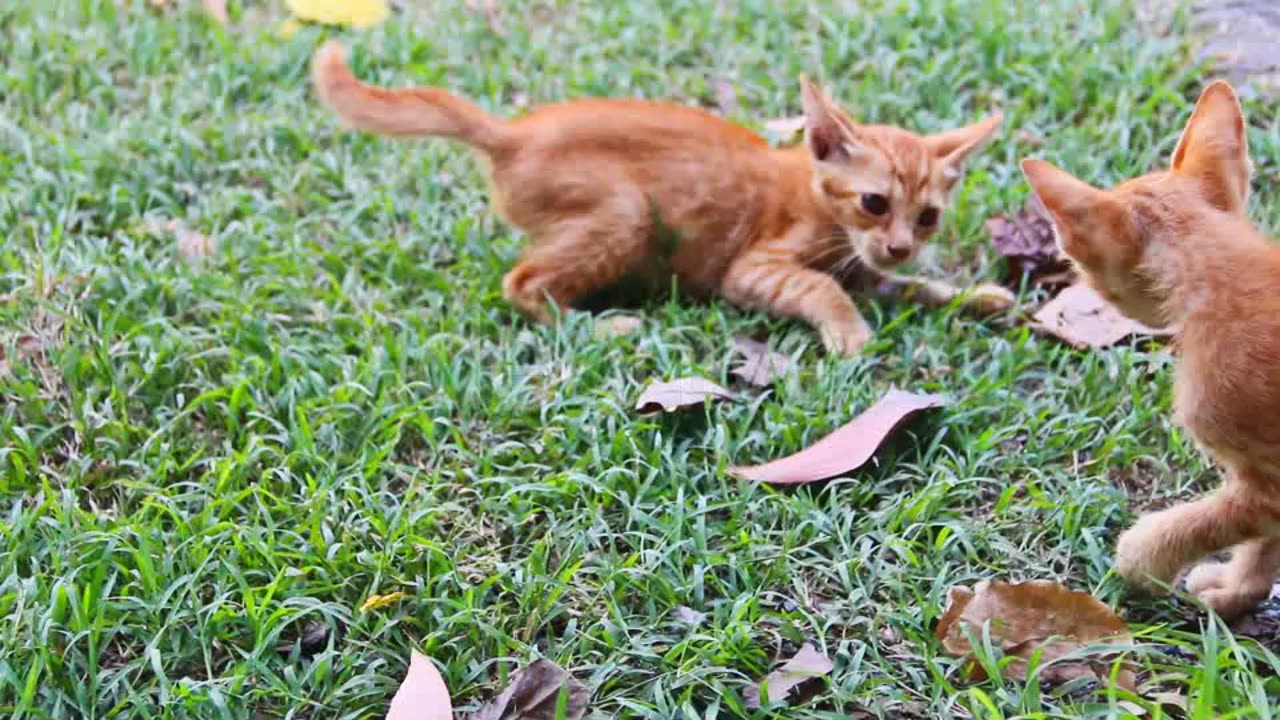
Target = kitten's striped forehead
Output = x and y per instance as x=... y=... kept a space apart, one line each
x=913 y=166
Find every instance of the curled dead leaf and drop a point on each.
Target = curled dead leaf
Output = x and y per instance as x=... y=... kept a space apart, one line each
x=675 y=394
x=849 y=447
x=314 y=638
x=1080 y=316
x=1026 y=241
x=535 y=693
x=1035 y=616
x=760 y=366
x=807 y=665
x=423 y=694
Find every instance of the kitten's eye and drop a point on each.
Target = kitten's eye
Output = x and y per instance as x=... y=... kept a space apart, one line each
x=875 y=204
x=928 y=217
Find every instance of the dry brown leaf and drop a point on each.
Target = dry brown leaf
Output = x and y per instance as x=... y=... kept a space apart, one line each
x=1026 y=241
x=676 y=394
x=760 y=365
x=423 y=694
x=1032 y=616
x=25 y=347
x=1081 y=317
x=314 y=638
x=534 y=693
x=191 y=244
x=617 y=325
x=807 y=664
x=849 y=447
x=492 y=14
x=785 y=128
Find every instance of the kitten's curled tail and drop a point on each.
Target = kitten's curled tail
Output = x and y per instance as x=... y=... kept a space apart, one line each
x=407 y=112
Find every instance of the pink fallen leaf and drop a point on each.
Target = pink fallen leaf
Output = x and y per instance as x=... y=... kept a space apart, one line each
x=192 y=245
x=726 y=96
x=807 y=664
x=1081 y=317
x=423 y=694
x=849 y=447
x=217 y=9
x=675 y=394
x=785 y=128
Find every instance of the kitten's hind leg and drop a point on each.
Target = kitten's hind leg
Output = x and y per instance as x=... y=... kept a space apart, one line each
x=783 y=287
x=576 y=260
x=1240 y=584
x=1160 y=545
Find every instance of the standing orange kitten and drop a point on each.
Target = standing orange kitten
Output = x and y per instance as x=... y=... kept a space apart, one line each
x=594 y=181
x=1175 y=247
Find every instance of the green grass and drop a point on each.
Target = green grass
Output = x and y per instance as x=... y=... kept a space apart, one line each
x=210 y=458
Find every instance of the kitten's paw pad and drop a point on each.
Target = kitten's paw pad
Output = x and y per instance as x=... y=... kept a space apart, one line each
x=990 y=299
x=845 y=340
x=1206 y=577
x=1140 y=560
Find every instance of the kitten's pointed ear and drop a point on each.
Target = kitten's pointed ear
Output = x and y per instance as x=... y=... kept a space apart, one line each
x=824 y=130
x=953 y=147
x=1074 y=205
x=1214 y=148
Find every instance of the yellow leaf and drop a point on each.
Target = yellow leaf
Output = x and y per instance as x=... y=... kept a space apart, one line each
x=376 y=602
x=354 y=13
x=288 y=29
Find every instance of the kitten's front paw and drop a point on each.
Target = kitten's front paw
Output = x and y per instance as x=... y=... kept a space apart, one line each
x=989 y=299
x=845 y=339
x=1142 y=558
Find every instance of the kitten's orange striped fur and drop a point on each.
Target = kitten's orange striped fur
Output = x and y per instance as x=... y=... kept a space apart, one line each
x=589 y=180
x=1175 y=248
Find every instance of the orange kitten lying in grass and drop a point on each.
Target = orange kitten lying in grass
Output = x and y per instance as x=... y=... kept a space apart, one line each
x=1176 y=247
x=594 y=181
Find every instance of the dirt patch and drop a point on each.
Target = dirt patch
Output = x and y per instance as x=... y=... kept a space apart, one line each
x=1240 y=39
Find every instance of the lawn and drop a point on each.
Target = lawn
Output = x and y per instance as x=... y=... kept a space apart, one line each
x=204 y=459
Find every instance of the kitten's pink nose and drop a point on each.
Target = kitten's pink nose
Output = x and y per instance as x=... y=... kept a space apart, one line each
x=899 y=252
